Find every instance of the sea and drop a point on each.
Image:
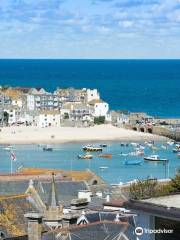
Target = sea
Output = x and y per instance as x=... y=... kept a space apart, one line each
x=151 y=86
x=112 y=170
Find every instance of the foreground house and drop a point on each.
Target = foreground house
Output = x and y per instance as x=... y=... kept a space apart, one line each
x=157 y=213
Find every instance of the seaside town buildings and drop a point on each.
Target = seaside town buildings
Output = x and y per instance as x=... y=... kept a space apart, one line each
x=36 y=106
x=74 y=108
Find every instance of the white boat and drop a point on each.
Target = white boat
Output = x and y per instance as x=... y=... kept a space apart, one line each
x=170 y=143
x=86 y=156
x=8 y=148
x=137 y=153
x=89 y=148
x=155 y=158
x=123 y=154
x=103 y=167
x=150 y=145
x=164 y=147
x=134 y=144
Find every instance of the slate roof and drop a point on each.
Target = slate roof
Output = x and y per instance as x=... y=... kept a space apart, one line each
x=98 y=230
x=12 y=210
x=66 y=190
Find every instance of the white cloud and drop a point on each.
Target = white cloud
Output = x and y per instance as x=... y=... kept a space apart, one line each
x=126 y=24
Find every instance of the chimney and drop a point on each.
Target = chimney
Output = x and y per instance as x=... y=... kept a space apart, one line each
x=34 y=226
x=85 y=194
x=107 y=198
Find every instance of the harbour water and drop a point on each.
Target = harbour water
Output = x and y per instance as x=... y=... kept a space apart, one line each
x=150 y=86
x=64 y=156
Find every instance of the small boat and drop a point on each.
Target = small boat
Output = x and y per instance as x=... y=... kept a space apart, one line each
x=139 y=152
x=92 y=149
x=176 y=150
x=124 y=144
x=47 y=148
x=170 y=143
x=87 y=156
x=103 y=145
x=107 y=155
x=164 y=147
x=8 y=148
x=154 y=148
x=123 y=154
x=141 y=147
x=103 y=167
x=41 y=145
x=155 y=158
x=132 y=162
x=134 y=144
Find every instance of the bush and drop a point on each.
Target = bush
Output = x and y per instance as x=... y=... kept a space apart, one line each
x=143 y=189
x=151 y=188
x=175 y=183
x=66 y=116
x=99 y=120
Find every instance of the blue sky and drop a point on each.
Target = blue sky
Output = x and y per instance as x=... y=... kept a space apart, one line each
x=90 y=28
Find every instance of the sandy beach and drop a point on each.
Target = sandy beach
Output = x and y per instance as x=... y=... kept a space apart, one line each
x=30 y=135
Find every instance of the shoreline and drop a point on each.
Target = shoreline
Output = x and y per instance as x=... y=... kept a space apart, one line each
x=57 y=135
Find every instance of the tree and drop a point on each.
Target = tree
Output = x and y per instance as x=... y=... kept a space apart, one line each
x=66 y=116
x=5 y=118
x=99 y=120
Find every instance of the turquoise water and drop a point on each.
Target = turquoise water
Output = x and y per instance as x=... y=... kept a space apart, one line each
x=64 y=156
x=152 y=86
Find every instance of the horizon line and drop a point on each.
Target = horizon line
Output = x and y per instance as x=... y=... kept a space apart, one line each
x=106 y=59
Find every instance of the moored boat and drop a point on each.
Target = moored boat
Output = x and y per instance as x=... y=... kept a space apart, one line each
x=86 y=156
x=103 y=167
x=176 y=150
x=8 y=148
x=155 y=158
x=132 y=162
x=107 y=155
x=47 y=148
x=103 y=145
x=170 y=143
x=92 y=149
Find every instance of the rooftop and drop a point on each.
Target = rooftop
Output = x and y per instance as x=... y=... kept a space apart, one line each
x=12 y=210
x=103 y=230
x=166 y=201
x=92 y=102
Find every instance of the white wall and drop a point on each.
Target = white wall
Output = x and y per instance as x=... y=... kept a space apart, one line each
x=45 y=120
x=30 y=102
x=92 y=94
x=101 y=109
x=17 y=102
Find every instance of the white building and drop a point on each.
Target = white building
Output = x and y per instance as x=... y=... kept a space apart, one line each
x=101 y=108
x=30 y=101
x=14 y=114
x=17 y=102
x=77 y=112
x=47 y=118
x=92 y=94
